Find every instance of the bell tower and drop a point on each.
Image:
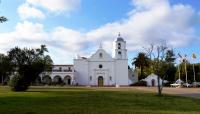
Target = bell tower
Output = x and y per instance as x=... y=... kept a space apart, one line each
x=120 y=51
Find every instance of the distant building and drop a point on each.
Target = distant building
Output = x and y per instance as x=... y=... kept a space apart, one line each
x=100 y=69
x=58 y=74
x=152 y=80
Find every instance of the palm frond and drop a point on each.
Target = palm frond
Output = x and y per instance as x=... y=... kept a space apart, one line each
x=3 y=19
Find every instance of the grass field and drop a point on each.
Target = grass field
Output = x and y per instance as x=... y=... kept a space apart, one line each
x=44 y=100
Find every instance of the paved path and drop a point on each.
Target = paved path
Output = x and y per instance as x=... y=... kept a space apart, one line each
x=187 y=92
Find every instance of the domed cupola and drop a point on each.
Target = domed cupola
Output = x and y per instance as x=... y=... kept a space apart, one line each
x=119 y=38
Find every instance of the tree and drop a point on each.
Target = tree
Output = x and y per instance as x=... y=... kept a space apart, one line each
x=161 y=50
x=190 y=76
x=29 y=63
x=197 y=70
x=3 y=19
x=5 y=68
x=157 y=64
x=141 y=61
x=170 y=67
x=170 y=57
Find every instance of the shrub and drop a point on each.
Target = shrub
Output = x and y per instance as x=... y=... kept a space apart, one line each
x=167 y=84
x=47 y=80
x=18 y=83
x=140 y=83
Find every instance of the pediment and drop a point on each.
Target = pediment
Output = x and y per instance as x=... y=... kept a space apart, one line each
x=101 y=55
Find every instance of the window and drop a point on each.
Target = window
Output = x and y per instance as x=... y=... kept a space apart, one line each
x=90 y=78
x=100 y=66
x=110 y=78
x=119 y=52
x=60 y=69
x=119 y=46
x=100 y=55
x=69 y=69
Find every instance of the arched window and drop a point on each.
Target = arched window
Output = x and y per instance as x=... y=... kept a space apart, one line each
x=60 y=69
x=100 y=66
x=119 y=52
x=110 y=78
x=90 y=78
x=69 y=69
x=119 y=45
x=100 y=55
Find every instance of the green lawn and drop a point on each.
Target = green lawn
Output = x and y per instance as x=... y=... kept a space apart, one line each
x=44 y=100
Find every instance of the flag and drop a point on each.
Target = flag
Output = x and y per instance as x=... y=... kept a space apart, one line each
x=194 y=56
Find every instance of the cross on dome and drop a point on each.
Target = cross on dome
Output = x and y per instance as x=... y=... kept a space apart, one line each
x=119 y=34
x=119 y=38
x=100 y=45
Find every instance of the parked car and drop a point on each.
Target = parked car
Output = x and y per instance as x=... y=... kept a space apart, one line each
x=187 y=85
x=196 y=84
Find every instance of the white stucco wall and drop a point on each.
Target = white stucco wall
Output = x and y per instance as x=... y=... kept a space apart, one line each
x=60 y=70
x=86 y=70
x=81 y=71
x=107 y=72
x=151 y=77
x=121 y=72
x=113 y=71
x=133 y=76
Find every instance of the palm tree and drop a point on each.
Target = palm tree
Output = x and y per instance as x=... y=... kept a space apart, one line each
x=41 y=50
x=3 y=19
x=141 y=61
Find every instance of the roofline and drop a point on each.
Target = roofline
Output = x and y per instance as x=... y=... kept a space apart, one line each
x=63 y=65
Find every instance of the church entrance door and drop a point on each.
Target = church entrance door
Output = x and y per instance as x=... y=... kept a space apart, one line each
x=152 y=82
x=100 y=81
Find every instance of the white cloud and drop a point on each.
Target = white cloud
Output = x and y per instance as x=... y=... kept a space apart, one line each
x=149 y=4
x=152 y=21
x=149 y=22
x=26 y=34
x=29 y=31
x=25 y=11
x=61 y=41
x=56 y=5
x=69 y=39
x=30 y=9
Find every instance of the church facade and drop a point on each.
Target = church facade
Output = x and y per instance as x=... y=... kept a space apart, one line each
x=103 y=70
x=100 y=69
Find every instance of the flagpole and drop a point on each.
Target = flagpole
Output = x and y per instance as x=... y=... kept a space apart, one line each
x=194 y=57
x=194 y=73
x=186 y=73
x=179 y=74
x=185 y=61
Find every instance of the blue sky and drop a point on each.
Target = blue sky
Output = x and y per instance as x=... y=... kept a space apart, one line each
x=70 y=27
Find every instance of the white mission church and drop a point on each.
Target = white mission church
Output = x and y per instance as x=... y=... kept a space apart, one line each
x=100 y=69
